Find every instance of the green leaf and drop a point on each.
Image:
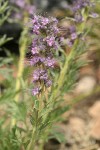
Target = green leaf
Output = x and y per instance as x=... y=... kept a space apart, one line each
x=44 y=125
x=4 y=40
x=34 y=117
x=36 y=104
x=58 y=136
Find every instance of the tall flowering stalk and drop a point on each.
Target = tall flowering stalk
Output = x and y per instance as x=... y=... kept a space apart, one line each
x=53 y=75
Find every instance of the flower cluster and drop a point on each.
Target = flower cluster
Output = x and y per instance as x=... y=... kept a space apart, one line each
x=44 y=45
x=78 y=6
x=22 y=5
x=72 y=36
x=80 y=12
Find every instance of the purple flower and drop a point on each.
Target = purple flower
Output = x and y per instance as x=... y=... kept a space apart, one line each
x=40 y=75
x=73 y=36
x=78 y=18
x=94 y=15
x=36 y=75
x=36 y=29
x=35 y=91
x=48 y=83
x=50 y=41
x=45 y=21
x=35 y=50
x=72 y=29
x=69 y=42
x=34 y=60
x=44 y=77
x=49 y=62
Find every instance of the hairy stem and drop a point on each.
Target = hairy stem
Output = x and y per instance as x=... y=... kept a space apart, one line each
x=64 y=72
x=31 y=145
x=23 y=45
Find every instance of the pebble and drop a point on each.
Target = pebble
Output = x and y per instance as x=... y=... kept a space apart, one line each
x=94 y=111
x=86 y=85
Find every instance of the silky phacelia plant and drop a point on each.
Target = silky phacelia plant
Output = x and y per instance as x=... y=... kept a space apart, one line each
x=53 y=44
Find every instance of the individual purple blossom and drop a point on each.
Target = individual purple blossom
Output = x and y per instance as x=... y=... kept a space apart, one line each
x=48 y=83
x=78 y=18
x=35 y=76
x=35 y=50
x=73 y=32
x=49 y=62
x=50 y=41
x=35 y=91
x=45 y=21
x=37 y=59
x=69 y=42
x=36 y=29
x=72 y=29
x=40 y=75
x=94 y=15
x=44 y=77
x=34 y=61
x=73 y=36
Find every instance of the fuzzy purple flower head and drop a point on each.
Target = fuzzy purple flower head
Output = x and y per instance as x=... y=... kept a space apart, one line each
x=44 y=45
x=78 y=6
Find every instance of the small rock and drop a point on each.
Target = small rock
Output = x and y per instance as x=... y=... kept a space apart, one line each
x=77 y=125
x=87 y=70
x=94 y=111
x=95 y=130
x=86 y=84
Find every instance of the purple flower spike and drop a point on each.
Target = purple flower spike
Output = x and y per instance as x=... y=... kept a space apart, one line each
x=78 y=6
x=44 y=44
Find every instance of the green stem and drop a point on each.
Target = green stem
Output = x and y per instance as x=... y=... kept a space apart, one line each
x=41 y=147
x=32 y=142
x=64 y=72
x=31 y=145
x=23 y=45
